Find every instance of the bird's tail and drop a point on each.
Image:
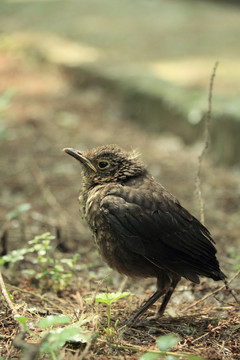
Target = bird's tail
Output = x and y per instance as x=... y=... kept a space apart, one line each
x=218 y=276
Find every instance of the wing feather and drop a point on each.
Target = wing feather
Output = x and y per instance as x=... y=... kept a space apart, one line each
x=168 y=236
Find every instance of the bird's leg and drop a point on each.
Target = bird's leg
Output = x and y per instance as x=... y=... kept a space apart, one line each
x=149 y=303
x=168 y=296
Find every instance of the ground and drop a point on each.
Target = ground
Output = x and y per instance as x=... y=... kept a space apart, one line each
x=48 y=112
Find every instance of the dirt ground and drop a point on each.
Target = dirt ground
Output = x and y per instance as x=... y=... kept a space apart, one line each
x=47 y=113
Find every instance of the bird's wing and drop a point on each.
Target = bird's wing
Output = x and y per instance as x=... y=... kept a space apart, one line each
x=168 y=236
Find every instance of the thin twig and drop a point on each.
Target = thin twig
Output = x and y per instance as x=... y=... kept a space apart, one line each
x=206 y=143
x=207 y=334
x=212 y=293
x=6 y=296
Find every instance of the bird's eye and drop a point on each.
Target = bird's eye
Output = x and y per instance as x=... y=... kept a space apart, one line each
x=103 y=164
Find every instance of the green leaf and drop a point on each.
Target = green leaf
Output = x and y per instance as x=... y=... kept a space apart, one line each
x=42 y=274
x=2 y=261
x=39 y=238
x=28 y=272
x=74 y=260
x=67 y=261
x=21 y=319
x=18 y=211
x=15 y=255
x=53 y=320
x=109 y=298
x=166 y=342
x=58 y=338
x=58 y=268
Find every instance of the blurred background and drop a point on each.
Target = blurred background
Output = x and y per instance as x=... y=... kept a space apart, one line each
x=136 y=73
x=157 y=56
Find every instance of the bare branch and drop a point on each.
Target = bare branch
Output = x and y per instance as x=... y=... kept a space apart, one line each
x=6 y=296
x=207 y=119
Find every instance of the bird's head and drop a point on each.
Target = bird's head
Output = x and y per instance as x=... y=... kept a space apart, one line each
x=107 y=163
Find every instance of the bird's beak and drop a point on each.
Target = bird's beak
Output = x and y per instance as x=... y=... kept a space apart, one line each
x=78 y=155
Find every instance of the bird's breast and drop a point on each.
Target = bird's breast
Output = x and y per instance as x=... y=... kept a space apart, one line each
x=90 y=204
x=113 y=252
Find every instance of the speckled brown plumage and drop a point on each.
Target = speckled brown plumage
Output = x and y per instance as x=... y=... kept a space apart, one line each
x=140 y=229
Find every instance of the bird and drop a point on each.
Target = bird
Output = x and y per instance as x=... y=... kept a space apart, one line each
x=141 y=229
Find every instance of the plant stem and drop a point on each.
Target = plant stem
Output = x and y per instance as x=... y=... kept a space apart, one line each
x=108 y=315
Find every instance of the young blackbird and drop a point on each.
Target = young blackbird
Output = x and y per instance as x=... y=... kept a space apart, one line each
x=140 y=229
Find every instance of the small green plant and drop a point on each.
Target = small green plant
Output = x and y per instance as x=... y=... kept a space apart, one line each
x=50 y=271
x=55 y=337
x=108 y=299
x=164 y=343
